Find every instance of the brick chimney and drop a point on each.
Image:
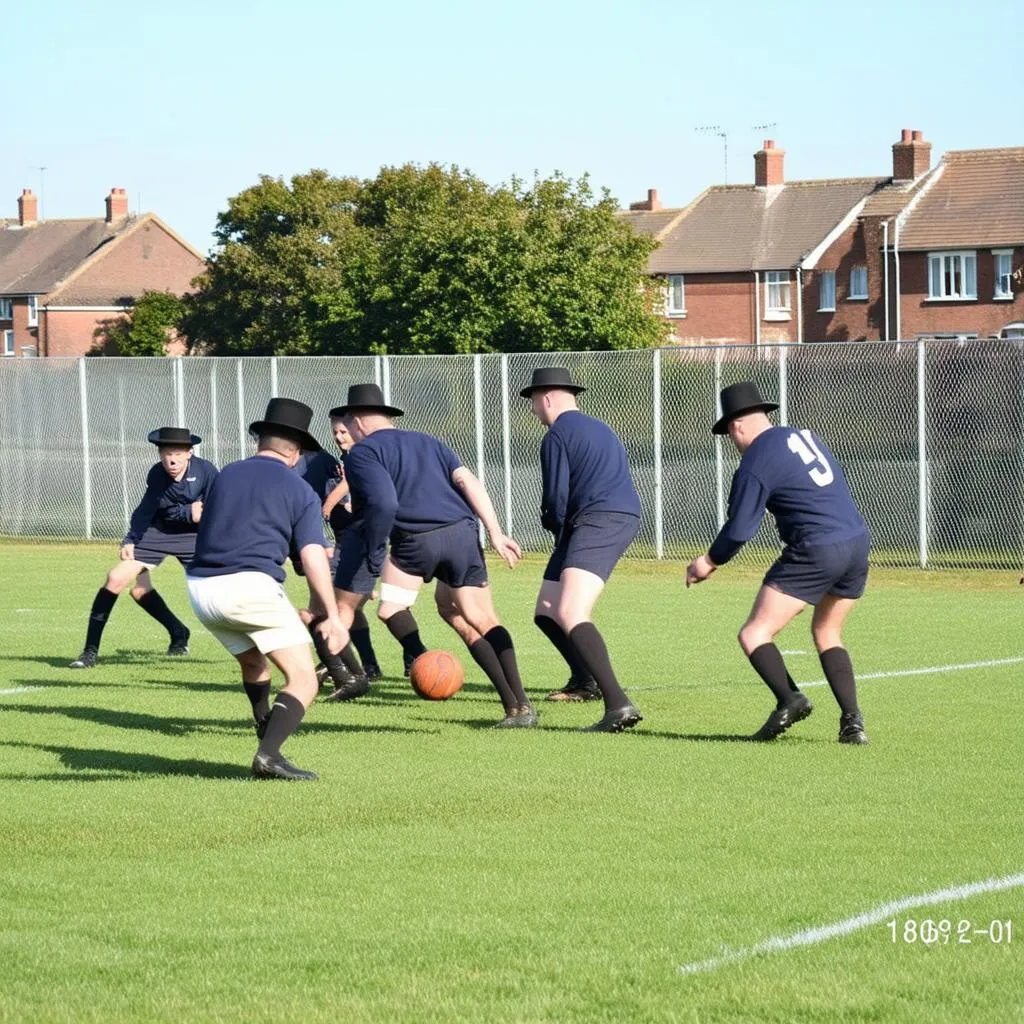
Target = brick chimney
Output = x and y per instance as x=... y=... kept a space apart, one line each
x=911 y=156
x=117 y=205
x=28 y=208
x=652 y=202
x=768 y=165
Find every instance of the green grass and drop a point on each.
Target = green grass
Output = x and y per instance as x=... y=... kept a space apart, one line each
x=440 y=871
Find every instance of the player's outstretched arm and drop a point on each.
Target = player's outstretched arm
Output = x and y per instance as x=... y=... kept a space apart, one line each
x=480 y=502
x=699 y=570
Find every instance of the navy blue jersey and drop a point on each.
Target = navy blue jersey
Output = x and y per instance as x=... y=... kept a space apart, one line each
x=793 y=475
x=257 y=510
x=585 y=469
x=402 y=480
x=167 y=503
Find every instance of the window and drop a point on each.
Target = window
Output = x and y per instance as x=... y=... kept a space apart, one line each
x=675 y=296
x=33 y=310
x=952 y=275
x=5 y=309
x=8 y=343
x=827 y=291
x=1003 y=259
x=776 y=293
x=858 y=282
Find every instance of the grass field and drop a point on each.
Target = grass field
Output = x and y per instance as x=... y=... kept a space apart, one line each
x=440 y=871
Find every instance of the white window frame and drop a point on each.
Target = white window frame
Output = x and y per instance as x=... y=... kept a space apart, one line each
x=942 y=261
x=999 y=256
x=8 y=344
x=777 y=280
x=824 y=306
x=858 y=294
x=671 y=309
x=6 y=309
x=33 y=310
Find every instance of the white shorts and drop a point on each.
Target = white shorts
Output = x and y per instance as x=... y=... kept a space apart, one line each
x=245 y=610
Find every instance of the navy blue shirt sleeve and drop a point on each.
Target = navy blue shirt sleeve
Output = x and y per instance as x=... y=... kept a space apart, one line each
x=156 y=484
x=554 y=465
x=747 y=499
x=371 y=483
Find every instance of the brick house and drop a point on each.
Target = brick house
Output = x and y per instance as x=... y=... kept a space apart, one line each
x=60 y=279
x=924 y=252
x=961 y=249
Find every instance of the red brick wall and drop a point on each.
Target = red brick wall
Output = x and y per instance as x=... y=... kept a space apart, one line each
x=147 y=258
x=983 y=317
x=70 y=332
x=23 y=334
x=719 y=308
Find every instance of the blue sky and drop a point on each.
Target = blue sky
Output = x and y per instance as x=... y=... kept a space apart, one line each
x=186 y=104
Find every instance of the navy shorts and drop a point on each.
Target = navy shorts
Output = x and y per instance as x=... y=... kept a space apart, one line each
x=155 y=545
x=594 y=541
x=350 y=564
x=452 y=554
x=808 y=573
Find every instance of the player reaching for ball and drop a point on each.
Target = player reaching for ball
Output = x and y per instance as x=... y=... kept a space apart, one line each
x=412 y=489
x=824 y=563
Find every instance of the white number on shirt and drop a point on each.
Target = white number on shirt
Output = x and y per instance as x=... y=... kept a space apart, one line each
x=802 y=444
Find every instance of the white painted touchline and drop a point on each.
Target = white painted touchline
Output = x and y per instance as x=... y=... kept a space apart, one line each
x=19 y=689
x=861 y=676
x=964 y=667
x=812 y=936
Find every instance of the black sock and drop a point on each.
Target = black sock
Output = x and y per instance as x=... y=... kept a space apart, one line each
x=285 y=716
x=593 y=655
x=499 y=639
x=404 y=629
x=768 y=664
x=259 y=698
x=154 y=604
x=486 y=657
x=102 y=604
x=839 y=673
x=554 y=632
x=360 y=633
x=337 y=664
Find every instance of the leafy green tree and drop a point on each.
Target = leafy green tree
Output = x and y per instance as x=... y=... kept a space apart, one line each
x=142 y=331
x=422 y=260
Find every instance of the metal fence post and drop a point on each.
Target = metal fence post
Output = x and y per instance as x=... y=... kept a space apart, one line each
x=273 y=376
x=241 y=410
x=213 y=413
x=124 y=457
x=179 y=392
x=719 y=457
x=506 y=443
x=659 y=516
x=377 y=374
x=922 y=459
x=783 y=385
x=86 y=467
x=385 y=373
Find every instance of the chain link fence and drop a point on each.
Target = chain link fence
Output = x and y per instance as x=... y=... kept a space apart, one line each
x=931 y=434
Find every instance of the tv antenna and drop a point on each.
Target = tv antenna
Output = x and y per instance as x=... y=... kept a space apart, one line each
x=715 y=129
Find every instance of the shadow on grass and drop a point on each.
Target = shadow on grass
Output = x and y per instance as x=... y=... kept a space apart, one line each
x=128 y=765
x=180 y=727
x=120 y=657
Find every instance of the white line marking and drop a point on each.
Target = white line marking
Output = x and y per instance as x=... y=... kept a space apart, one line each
x=19 y=689
x=812 y=936
x=862 y=676
x=965 y=667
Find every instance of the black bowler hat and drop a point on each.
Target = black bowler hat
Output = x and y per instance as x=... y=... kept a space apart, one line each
x=551 y=377
x=739 y=399
x=174 y=435
x=366 y=398
x=288 y=418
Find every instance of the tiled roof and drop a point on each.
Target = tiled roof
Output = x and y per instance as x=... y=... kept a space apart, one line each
x=33 y=260
x=743 y=227
x=890 y=200
x=651 y=222
x=977 y=201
